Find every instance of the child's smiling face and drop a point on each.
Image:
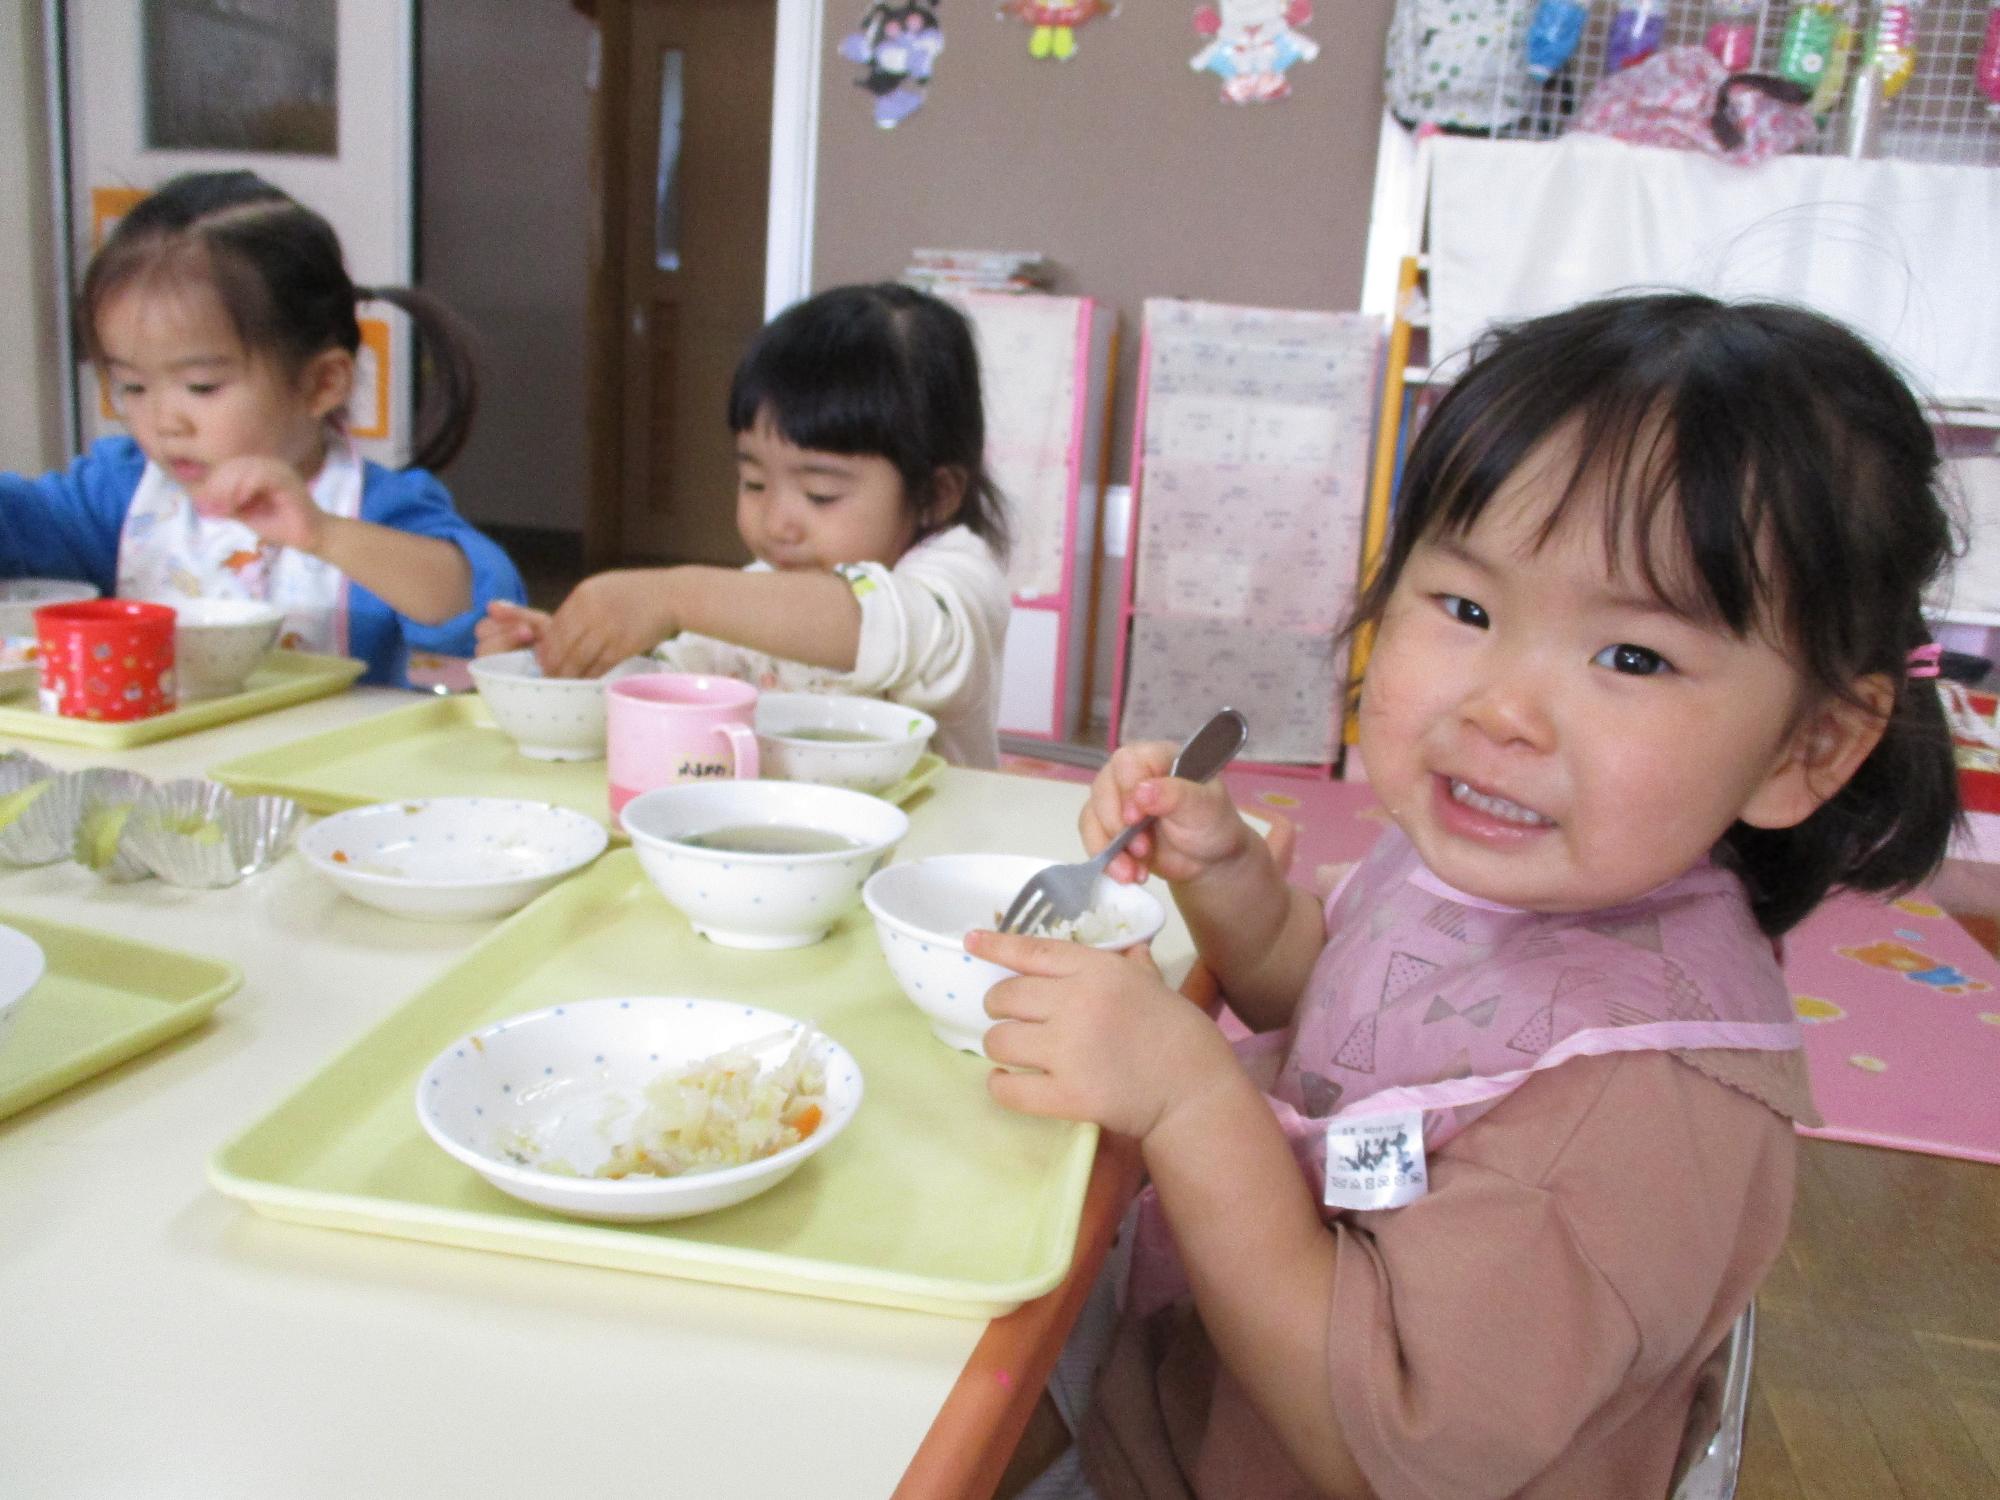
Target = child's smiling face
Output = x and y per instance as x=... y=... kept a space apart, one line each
x=1551 y=735
x=800 y=508
x=194 y=397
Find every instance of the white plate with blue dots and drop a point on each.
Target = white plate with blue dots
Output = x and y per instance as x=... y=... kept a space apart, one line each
x=451 y=859
x=538 y=1103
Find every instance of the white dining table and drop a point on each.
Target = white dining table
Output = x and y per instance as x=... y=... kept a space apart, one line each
x=160 y=1340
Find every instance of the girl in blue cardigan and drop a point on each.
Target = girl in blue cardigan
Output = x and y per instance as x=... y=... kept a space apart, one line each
x=221 y=316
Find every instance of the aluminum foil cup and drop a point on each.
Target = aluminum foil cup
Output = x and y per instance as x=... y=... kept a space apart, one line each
x=25 y=781
x=197 y=834
x=41 y=828
x=109 y=799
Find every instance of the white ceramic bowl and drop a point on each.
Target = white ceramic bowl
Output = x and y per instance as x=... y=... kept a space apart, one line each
x=788 y=749
x=760 y=900
x=551 y=1088
x=218 y=643
x=923 y=909
x=21 y=597
x=451 y=859
x=548 y=718
x=21 y=967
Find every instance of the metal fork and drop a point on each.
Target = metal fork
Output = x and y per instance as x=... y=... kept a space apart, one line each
x=1062 y=893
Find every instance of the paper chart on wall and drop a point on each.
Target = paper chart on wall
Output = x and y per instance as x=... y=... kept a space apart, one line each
x=1029 y=368
x=1257 y=437
x=1285 y=684
x=1277 y=547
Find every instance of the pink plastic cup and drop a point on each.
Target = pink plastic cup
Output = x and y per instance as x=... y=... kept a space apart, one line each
x=667 y=727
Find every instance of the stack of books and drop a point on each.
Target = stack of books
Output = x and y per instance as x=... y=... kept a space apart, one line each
x=979 y=271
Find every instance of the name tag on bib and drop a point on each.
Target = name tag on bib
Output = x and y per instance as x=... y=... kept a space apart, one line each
x=1375 y=1161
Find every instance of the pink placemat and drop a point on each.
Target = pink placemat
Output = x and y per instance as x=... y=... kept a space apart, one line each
x=1900 y=1006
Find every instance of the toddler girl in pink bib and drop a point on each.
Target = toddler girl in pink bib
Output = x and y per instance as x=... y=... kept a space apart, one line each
x=1511 y=1146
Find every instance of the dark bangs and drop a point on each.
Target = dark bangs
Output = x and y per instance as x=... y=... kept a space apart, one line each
x=275 y=265
x=881 y=371
x=1740 y=453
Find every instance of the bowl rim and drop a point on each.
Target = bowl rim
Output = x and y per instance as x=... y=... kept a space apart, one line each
x=7 y=585
x=898 y=741
x=259 y=612
x=484 y=669
x=661 y=843
x=615 y=1188
x=1148 y=930
x=21 y=957
x=415 y=883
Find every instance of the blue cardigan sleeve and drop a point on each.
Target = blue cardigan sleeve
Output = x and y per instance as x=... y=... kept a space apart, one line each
x=66 y=524
x=412 y=500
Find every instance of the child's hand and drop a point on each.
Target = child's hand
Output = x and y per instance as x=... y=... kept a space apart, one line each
x=1112 y=1043
x=267 y=495
x=508 y=627
x=607 y=618
x=1198 y=825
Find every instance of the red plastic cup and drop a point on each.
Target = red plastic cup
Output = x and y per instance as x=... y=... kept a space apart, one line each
x=106 y=658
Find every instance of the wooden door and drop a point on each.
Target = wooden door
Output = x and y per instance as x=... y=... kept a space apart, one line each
x=684 y=160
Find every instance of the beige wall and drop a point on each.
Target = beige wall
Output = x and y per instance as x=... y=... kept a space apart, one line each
x=503 y=219
x=1120 y=164
x=30 y=421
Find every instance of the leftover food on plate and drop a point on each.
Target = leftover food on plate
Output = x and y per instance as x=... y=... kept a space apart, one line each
x=721 y=1111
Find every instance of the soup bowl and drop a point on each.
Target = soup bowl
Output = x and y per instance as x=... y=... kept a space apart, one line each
x=923 y=908
x=865 y=744
x=761 y=864
x=218 y=643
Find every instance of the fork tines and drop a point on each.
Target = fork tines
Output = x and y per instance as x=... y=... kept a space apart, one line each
x=1027 y=911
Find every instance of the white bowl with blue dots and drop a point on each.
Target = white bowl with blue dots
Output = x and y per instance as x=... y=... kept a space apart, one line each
x=876 y=743
x=451 y=859
x=923 y=908
x=537 y=1102
x=751 y=900
x=548 y=718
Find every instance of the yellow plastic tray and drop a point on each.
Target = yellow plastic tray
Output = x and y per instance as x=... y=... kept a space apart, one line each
x=101 y=1000
x=934 y=1198
x=286 y=677
x=441 y=747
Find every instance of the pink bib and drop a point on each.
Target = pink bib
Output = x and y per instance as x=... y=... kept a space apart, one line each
x=1427 y=998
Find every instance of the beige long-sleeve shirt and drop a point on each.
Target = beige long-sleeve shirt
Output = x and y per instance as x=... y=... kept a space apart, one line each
x=933 y=634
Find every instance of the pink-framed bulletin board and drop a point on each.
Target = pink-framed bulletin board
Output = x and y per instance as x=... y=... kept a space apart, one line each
x=1046 y=366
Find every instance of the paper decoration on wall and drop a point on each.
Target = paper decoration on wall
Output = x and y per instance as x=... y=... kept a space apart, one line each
x=899 y=44
x=1252 y=43
x=1055 y=22
x=368 y=406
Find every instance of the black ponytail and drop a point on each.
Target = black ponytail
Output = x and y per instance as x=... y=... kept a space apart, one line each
x=447 y=380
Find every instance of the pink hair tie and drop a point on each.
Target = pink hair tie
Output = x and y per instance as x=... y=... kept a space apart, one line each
x=1923 y=662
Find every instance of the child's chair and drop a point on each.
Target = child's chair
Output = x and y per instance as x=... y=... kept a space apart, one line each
x=1712 y=1450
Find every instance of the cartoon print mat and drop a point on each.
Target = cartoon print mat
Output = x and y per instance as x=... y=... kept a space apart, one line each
x=1900 y=1007
x=1901 y=1010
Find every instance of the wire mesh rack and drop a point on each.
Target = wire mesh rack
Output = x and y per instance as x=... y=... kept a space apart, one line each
x=1938 y=114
